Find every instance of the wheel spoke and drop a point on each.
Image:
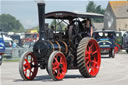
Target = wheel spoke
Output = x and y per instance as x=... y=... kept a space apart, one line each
x=25 y=65
x=88 y=66
x=61 y=60
x=26 y=61
x=92 y=69
x=58 y=72
x=87 y=62
x=29 y=72
x=87 y=52
x=62 y=69
x=25 y=69
x=56 y=60
x=94 y=64
x=90 y=47
x=94 y=52
x=26 y=73
x=86 y=58
x=56 y=63
x=54 y=68
x=31 y=60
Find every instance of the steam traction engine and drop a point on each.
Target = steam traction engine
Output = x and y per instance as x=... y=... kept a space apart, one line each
x=57 y=51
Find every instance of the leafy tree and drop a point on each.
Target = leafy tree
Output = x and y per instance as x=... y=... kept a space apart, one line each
x=92 y=7
x=9 y=23
x=98 y=8
x=102 y=11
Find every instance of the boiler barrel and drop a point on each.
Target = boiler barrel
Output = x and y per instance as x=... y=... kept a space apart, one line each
x=44 y=48
x=58 y=46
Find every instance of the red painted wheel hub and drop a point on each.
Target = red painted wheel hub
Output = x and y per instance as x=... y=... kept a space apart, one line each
x=92 y=57
x=30 y=67
x=59 y=66
x=117 y=48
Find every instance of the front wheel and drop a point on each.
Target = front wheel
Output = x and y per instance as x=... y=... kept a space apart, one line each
x=88 y=57
x=28 y=66
x=112 y=53
x=57 y=65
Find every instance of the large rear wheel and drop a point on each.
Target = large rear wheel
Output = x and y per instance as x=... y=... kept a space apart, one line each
x=88 y=57
x=57 y=65
x=28 y=66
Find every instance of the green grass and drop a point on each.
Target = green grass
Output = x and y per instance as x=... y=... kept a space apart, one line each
x=11 y=60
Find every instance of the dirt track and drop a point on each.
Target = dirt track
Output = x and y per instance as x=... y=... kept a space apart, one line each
x=112 y=72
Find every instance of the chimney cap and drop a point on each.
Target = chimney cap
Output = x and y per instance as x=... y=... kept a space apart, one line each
x=40 y=1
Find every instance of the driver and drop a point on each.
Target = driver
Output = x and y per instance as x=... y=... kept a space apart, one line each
x=88 y=28
x=71 y=24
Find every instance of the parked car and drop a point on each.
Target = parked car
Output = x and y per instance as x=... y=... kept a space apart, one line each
x=106 y=41
x=125 y=41
x=31 y=37
x=8 y=45
x=16 y=39
x=9 y=48
x=2 y=48
x=28 y=44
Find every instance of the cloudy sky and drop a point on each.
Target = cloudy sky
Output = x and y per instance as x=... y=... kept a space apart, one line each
x=26 y=10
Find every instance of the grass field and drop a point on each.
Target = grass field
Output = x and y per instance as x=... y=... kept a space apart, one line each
x=11 y=60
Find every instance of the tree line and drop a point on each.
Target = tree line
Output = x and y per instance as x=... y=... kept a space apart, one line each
x=9 y=23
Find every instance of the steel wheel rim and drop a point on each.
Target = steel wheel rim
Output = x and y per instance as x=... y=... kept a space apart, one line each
x=59 y=66
x=30 y=67
x=92 y=57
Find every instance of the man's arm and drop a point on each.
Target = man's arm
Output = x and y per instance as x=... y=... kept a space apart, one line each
x=91 y=30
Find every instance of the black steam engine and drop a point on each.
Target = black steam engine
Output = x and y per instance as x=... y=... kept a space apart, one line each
x=56 y=51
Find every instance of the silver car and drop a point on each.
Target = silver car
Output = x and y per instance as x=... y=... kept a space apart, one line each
x=8 y=49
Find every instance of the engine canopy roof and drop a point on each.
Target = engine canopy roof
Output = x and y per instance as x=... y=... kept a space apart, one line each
x=71 y=15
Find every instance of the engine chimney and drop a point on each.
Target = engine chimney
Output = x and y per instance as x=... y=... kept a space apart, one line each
x=41 y=12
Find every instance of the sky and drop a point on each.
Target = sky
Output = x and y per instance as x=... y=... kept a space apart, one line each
x=26 y=10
